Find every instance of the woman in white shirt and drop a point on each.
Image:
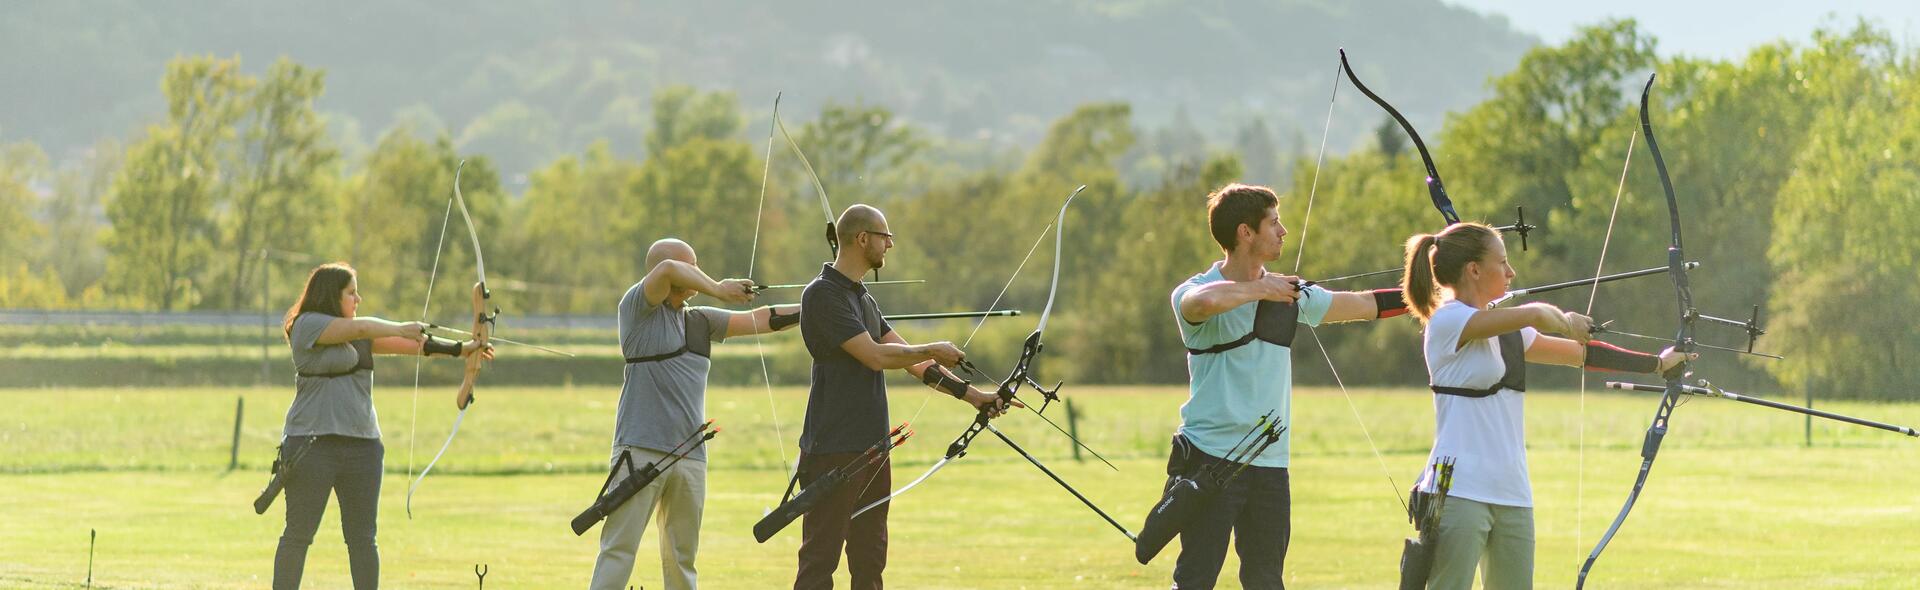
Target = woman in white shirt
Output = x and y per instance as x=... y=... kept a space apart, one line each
x=1476 y=364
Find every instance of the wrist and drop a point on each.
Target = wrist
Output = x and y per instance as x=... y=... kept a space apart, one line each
x=432 y=346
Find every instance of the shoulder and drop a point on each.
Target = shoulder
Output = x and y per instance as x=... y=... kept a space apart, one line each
x=1211 y=275
x=313 y=320
x=705 y=313
x=1448 y=321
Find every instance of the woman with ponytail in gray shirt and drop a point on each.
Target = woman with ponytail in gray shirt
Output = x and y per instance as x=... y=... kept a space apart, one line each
x=332 y=444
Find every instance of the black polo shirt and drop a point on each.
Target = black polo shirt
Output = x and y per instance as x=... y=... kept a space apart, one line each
x=847 y=403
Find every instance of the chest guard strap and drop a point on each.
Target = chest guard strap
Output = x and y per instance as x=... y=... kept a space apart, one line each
x=1513 y=352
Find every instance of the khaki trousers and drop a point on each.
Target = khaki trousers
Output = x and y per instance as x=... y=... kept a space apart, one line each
x=1496 y=539
x=680 y=495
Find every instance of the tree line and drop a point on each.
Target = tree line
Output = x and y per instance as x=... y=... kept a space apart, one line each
x=1794 y=167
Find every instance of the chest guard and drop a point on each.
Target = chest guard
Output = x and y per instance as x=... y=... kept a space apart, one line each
x=1513 y=352
x=694 y=341
x=1273 y=322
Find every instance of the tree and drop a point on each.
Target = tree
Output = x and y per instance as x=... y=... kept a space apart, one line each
x=74 y=249
x=1259 y=156
x=395 y=215
x=1845 y=262
x=569 y=237
x=281 y=197
x=163 y=202
x=854 y=147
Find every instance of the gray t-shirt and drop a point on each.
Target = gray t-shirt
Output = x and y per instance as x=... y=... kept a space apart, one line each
x=327 y=398
x=663 y=401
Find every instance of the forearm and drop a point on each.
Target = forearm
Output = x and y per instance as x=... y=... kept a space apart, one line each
x=1214 y=299
x=887 y=356
x=1488 y=323
x=687 y=276
x=1349 y=306
x=362 y=328
x=396 y=345
x=770 y=318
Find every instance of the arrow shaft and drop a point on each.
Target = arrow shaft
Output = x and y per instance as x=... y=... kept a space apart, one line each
x=1591 y=281
x=758 y=288
x=952 y=314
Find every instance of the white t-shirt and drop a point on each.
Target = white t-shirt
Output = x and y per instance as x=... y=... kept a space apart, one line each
x=1485 y=436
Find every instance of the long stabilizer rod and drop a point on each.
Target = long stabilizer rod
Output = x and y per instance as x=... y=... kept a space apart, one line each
x=1708 y=390
x=1063 y=483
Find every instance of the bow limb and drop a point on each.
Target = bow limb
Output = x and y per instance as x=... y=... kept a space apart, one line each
x=753 y=256
x=1436 y=190
x=923 y=477
x=1020 y=374
x=819 y=188
x=1682 y=341
x=483 y=322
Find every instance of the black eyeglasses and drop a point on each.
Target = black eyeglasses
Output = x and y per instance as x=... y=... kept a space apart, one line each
x=878 y=233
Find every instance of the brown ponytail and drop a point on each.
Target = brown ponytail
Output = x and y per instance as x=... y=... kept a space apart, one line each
x=322 y=293
x=1436 y=260
x=1417 y=281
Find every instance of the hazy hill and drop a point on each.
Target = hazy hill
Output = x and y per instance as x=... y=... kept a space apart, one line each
x=537 y=79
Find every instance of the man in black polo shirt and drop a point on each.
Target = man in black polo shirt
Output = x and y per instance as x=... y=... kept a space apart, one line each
x=847 y=406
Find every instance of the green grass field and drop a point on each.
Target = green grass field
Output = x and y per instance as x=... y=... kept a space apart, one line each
x=1736 y=500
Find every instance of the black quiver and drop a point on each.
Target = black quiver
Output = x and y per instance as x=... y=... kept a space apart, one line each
x=805 y=501
x=282 y=468
x=611 y=499
x=1182 y=499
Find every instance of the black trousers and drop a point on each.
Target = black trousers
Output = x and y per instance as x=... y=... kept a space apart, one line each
x=1255 y=512
x=348 y=468
x=827 y=529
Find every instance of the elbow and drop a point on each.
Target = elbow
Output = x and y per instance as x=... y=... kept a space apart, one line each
x=1196 y=310
x=873 y=364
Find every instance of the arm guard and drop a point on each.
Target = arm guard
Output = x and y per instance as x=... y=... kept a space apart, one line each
x=432 y=346
x=1607 y=357
x=1391 y=302
x=937 y=378
x=780 y=322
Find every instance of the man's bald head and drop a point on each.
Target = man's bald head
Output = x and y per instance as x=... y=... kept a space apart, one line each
x=859 y=218
x=670 y=249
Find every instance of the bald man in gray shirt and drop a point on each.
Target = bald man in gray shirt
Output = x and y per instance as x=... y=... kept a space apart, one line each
x=663 y=401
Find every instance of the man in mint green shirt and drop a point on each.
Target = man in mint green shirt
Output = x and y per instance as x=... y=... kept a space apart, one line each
x=1238 y=322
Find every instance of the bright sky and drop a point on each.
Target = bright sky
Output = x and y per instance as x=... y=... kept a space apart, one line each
x=1718 y=29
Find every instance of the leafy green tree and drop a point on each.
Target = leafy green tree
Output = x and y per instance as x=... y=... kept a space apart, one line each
x=163 y=204
x=683 y=114
x=1844 y=247
x=859 y=151
x=395 y=213
x=568 y=236
x=1258 y=154
x=73 y=231
x=701 y=190
x=282 y=198
x=1122 y=329
x=20 y=164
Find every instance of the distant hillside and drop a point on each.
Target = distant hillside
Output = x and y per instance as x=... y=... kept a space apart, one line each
x=538 y=79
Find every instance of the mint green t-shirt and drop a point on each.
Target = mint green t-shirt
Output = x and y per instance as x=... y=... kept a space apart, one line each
x=1229 y=391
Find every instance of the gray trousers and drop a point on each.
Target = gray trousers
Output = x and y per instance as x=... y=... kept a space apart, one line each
x=1496 y=539
x=680 y=494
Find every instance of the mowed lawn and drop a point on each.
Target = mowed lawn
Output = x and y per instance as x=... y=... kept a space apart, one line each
x=1736 y=499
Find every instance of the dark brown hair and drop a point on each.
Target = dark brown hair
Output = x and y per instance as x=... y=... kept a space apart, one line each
x=1235 y=205
x=322 y=294
x=1434 y=260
